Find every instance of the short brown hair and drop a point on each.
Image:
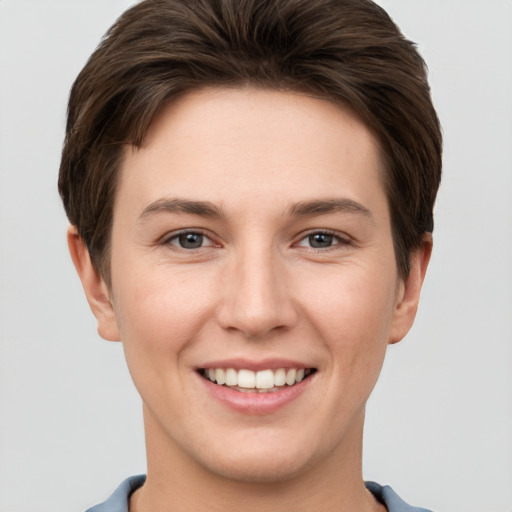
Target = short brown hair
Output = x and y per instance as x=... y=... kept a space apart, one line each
x=348 y=51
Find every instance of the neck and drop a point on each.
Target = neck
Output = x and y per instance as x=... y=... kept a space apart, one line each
x=333 y=485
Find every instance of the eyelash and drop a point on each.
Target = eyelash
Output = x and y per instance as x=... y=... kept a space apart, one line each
x=176 y=236
x=337 y=240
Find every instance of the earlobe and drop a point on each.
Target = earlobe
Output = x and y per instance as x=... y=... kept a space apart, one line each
x=408 y=295
x=95 y=288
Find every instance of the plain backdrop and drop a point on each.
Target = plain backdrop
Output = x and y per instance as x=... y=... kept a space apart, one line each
x=439 y=424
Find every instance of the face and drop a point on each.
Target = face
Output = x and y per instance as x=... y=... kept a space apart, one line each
x=254 y=282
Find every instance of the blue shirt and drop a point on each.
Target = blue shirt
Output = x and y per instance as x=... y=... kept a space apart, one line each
x=118 y=502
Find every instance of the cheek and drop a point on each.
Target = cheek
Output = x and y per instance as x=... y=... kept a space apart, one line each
x=353 y=313
x=158 y=312
x=354 y=304
x=159 y=319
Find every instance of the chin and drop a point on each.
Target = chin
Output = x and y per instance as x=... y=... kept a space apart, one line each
x=262 y=459
x=259 y=469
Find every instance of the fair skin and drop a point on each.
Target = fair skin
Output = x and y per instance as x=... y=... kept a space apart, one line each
x=252 y=232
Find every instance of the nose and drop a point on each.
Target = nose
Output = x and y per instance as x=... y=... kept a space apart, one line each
x=256 y=296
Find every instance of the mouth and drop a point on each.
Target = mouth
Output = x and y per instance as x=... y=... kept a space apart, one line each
x=263 y=381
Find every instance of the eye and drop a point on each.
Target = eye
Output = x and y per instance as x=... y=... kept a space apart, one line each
x=189 y=240
x=321 y=240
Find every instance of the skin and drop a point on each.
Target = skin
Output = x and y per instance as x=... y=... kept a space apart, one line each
x=256 y=289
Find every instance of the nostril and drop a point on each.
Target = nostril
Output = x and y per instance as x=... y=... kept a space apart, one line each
x=255 y=301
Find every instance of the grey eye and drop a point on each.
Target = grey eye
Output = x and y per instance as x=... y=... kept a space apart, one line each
x=190 y=240
x=320 y=240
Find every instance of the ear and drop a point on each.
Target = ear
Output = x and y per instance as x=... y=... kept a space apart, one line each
x=408 y=294
x=95 y=288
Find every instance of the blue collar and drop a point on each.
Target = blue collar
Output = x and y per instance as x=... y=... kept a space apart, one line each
x=119 y=500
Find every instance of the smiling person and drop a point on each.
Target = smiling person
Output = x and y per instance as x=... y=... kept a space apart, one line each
x=250 y=186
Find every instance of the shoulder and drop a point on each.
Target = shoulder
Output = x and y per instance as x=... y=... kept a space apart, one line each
x=393 y=502
x=118 y=501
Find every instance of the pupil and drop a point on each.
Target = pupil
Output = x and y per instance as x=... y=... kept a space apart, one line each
x=191 y=240
x=320 y=240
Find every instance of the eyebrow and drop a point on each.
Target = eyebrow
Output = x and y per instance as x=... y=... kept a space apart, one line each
x=327 y=206
x=300 y=209
x=203 y=208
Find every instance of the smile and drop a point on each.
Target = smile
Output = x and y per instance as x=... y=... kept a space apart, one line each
x=263 y=381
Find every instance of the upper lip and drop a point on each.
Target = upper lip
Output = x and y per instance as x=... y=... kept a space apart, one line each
x=254 y=365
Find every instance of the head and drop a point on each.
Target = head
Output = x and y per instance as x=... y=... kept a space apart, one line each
x=254 y=183
x=347 y=51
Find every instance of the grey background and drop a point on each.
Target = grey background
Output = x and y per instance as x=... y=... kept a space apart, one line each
x=439 y=424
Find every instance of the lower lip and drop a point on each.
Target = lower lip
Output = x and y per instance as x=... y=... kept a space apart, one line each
x=253 y=402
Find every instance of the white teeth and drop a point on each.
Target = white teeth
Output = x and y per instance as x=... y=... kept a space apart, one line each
x=265 y=379
x=220 y=376
x=246 y=379
x=290 y=376
x=231 y=377
x=279 y=377
x=262 y=380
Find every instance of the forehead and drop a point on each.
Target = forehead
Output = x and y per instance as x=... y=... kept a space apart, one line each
x=273 y=143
